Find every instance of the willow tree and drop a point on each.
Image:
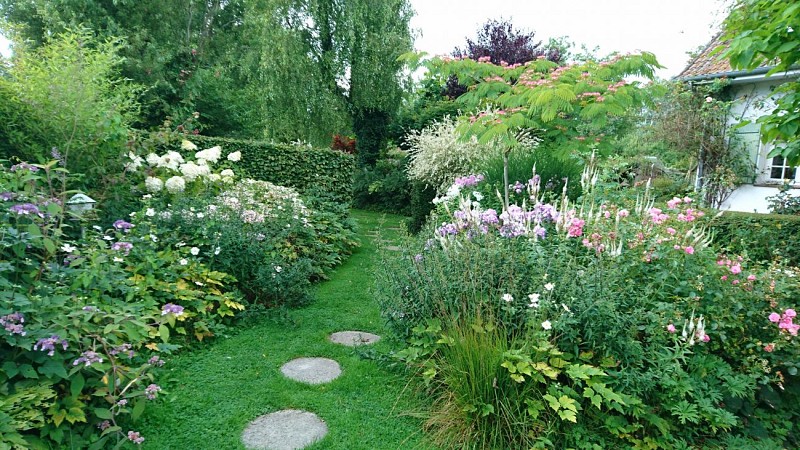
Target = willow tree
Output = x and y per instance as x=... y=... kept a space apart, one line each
x=570 y=106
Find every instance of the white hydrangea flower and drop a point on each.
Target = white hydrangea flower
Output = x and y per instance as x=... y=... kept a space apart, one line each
x=152 y=159
x=235 y=156
x=192 y=171
x=226 y=173
x=214 y=177
x=153 y=184
x=171 y=160
x=210 y=154
x=188 y=145
x=175 y=185
x=134 y=163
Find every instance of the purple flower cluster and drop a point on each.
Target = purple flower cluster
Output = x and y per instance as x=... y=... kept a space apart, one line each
x=468 y=181
x=7 y=196
x=13 y=323
x=122 y=225
x=511 y=223
x=135 y=437
x=122 y=247
x=170 y=308
x=122 y=349
x=24 y=166
x=88 y=358
x=49 y=344
x=155 y=361
x=151 y=392
x=25 y=209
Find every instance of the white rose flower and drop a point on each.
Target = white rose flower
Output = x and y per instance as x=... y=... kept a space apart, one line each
x=175 y=185
x=235 y=156
x=153 y=184
x=507 y=298
x=188 y=145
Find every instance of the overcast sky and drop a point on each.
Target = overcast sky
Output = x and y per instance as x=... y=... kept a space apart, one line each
x=668 y=28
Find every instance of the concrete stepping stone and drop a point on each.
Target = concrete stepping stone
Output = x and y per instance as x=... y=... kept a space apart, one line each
x=290 y=429
x=353 y=338
x=312 y=370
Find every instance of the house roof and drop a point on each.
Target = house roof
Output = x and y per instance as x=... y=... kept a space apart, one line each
x=706 y=66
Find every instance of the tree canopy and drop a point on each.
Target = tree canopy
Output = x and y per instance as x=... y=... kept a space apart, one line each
x=765 y=32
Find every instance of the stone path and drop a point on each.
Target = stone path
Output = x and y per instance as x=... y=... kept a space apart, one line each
x=292 y=429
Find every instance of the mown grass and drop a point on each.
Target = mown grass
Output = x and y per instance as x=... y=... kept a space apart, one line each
x=213 y=392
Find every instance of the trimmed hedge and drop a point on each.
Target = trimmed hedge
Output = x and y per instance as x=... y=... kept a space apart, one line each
x=312 y=171
x=762 y=237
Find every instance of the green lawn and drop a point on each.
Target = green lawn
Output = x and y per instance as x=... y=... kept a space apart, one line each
x=213 y=392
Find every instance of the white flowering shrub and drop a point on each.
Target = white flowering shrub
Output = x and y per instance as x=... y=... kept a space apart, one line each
x=175 y=174
x=439 y=155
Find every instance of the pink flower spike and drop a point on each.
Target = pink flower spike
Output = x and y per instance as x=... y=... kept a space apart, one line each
x=774 y=317
x=689 y=250
x=671 y=328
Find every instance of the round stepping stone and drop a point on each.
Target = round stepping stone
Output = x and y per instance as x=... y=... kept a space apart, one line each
x=312 y=370
x=354 y=338
x=290 y=429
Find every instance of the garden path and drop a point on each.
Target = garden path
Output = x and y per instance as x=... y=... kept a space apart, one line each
x=214 y=393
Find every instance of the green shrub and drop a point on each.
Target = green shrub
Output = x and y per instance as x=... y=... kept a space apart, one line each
x=422 y=196
x=684 y=344
x=85 y=323
x=383 y=187
x=761 y=237
x=309 y=170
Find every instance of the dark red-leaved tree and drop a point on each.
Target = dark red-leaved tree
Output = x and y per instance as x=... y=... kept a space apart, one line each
x=501 y=43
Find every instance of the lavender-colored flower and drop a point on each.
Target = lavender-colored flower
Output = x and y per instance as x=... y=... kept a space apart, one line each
x=7 y=196
x=24 y=166
x=88 y=358
x=151 y=392
x=135 y=437
x=155 y=361
x=122 y=402
x=489 y=217
x=49 y=344
x=418 y=257
x=447 y=229
x=170 y=308
x=122 y=349
x=103 y=425
x=468 y=181
x=517 y=187
x=123 y=225
x=13 y=323
x=25 y=209
x=122 y=247
x=57 y=155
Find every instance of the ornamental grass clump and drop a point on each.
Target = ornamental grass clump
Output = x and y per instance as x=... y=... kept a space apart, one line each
x=664 y=339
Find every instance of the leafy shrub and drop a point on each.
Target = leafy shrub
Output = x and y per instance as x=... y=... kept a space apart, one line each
x=422 y=197
x=664 y=341
x=384 y=187
x=439 y=155
x=84 y=324
x=555 y=173
x=309 y=170
x=783 y=202
x=74 y=101
x=761 y=237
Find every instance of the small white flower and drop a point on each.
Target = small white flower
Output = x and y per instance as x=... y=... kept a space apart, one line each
x=154 y=238
x=68 y=248
x=278 y=269
x=187 y=145
x=108 y=238
x=217 y=250
x=547 y=325
x=150 y=212
x=566 y=308
x=199 y=283
x=97 y=228
x=200 y=215
x=478 y=196
x=549 y=286
x=147 y=197
x=508 y=298
x=194 y=251
x=183 y=262
x=133 y=214
x=709 y=99
x=534 y=298
x=235 y=156
x=118 y=259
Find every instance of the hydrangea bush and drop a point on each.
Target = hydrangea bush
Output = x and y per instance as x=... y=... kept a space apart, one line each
x=622 y=325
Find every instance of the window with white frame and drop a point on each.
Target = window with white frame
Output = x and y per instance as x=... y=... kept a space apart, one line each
x=780 y=170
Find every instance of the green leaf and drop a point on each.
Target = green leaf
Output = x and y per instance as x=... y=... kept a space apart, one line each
x=53 y=369
x=27 y=371
x=163 y=332
x=103 y=413
x=138 y=409
x=76 y=384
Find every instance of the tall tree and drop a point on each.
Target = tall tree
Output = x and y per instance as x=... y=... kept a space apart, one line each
x=765 y=32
